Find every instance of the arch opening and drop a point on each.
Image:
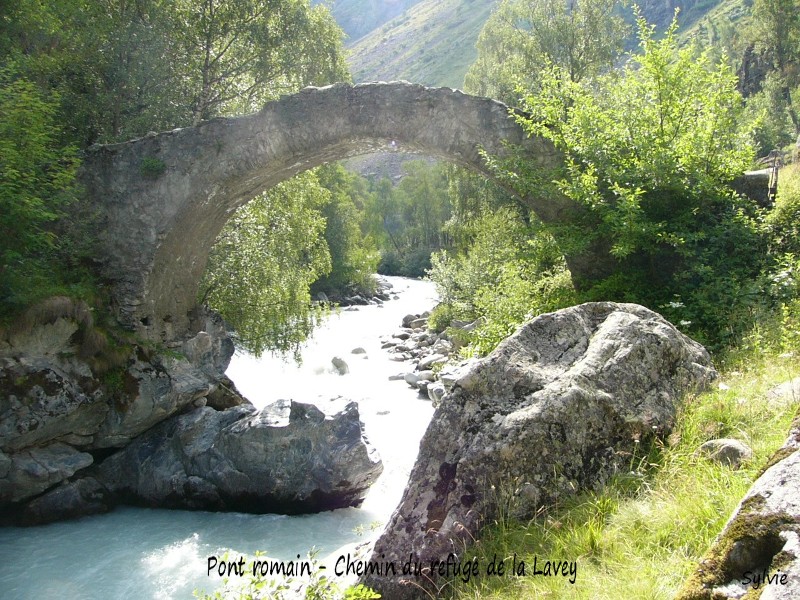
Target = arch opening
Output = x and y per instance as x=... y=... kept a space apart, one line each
x=158 y=229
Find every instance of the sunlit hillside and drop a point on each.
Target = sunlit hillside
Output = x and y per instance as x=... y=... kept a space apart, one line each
x=432 y=43
x=359 y=17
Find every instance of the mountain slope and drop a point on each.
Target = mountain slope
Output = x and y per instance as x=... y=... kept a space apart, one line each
x=432 y=43
x=359 y=17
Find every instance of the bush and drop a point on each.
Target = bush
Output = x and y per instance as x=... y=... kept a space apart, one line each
x=511 y=272
x=650 y=152
x=783 y=221
x=37 y=184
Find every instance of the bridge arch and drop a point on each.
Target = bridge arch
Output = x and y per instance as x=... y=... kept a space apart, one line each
x=164 y=198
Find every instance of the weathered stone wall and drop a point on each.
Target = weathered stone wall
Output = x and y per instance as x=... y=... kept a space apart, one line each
x=164 y=198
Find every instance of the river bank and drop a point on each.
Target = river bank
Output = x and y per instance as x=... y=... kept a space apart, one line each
x=145 y=553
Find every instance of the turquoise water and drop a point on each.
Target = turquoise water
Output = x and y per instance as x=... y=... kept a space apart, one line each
x=135 y=553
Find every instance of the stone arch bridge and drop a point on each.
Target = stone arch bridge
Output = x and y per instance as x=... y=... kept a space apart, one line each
x=164 y=198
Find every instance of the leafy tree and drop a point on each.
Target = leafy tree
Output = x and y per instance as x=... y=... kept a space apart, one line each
x=263 y=263
x=650 y=152
x=37 y=181
x=510 y=272
x=124 y=68
x=354 y=256
x=776 y=30
x=522 y=37
x=408 y=220
x=423 y=194
x=242 y=53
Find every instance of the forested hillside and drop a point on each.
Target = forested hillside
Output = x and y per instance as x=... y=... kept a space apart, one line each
x=433 y=41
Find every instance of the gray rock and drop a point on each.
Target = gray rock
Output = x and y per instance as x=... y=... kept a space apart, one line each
x=726 y=451
x=426 y=375
x=452 y=373
x=358 y=350
x=78 y=498
x=436 y=392
x=34 y=470
x=54 y=406
x=288 y=457
x=418 y=323
x=785 y=393
x=431 y=360
x=407 y=320
x=442 y=347
x=43 y=400
x=412 y=379
x=555 y=409
x=339 y=366
x=226 y=395
x=469 y=327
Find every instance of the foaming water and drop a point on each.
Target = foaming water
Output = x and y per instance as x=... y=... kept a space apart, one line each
x=135 y=553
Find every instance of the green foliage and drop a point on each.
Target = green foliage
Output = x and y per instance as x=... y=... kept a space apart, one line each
x=650 y=151
x=152 y=167
x=264 y=261
x=775 y=31
x=408 y=220
x=510 y=273
x=37 y=183
x=354 y=257
x=523 y=37
x=768 y=117
x=783 y=221
x=125 y=68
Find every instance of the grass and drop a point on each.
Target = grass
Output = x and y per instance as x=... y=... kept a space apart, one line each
x=644 y=533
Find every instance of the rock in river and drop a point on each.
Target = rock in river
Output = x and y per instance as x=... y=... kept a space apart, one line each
x=288 y=457
x=557 y=408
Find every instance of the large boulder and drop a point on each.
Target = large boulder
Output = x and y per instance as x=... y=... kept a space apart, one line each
x=557 y=408
x=287 y=457
x=69 y=389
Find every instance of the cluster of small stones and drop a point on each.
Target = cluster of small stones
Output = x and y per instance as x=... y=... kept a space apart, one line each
x=428 y=352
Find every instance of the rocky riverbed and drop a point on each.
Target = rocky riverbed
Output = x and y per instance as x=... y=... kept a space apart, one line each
x=432 y=358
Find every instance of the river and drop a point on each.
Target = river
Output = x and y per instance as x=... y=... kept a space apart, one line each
x=134 y=553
